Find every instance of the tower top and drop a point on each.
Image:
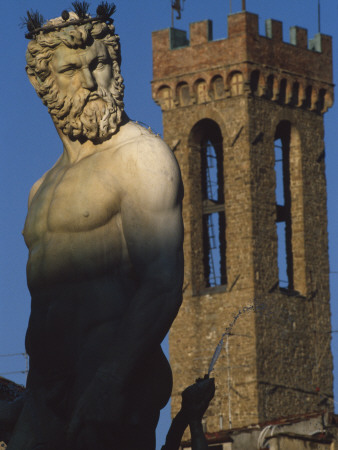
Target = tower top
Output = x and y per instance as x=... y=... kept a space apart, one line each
x=312 y=58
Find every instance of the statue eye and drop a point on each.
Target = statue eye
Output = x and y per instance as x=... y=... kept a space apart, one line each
x=101 y=64
x=68 y=70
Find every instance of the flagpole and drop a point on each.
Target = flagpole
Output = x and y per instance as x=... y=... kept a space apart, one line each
x=318 y=16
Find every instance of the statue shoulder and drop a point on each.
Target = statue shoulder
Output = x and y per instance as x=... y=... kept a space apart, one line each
x=35 y=188
x=147 y=148
x=38 y=183
x=152 y=170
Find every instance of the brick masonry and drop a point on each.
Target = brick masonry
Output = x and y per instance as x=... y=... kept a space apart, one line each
x=278 y=360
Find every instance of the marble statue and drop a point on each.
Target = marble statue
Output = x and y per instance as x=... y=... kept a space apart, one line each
x=104 y=233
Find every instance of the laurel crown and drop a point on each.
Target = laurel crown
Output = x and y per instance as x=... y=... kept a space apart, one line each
x=34 y=20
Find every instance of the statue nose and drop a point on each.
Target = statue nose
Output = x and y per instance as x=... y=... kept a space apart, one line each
x=88 y=81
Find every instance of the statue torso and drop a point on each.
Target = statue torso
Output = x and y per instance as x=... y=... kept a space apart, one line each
x=73 y=228
x=79 y=271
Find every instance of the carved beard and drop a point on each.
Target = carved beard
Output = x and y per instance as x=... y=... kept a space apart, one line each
x=93 y=115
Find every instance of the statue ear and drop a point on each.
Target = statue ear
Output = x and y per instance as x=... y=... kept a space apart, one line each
x=35 y=81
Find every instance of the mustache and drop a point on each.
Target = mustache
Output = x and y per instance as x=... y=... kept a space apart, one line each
x=93 y=96
x=75 y=106
x=85 y=97
x=62 y=106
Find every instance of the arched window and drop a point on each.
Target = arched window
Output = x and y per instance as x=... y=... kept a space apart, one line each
x=183 y=94
x=321 y=100
x=290 y=221
x=283 y=205
x=206 y=139
x=295 y=94
x=282 y=91
x=236 y=83
x=218 y=87
x=165 y=98
x=254 y=81
x=269 y=87
x=308 y=97
x=201 y=91
x=213 y=214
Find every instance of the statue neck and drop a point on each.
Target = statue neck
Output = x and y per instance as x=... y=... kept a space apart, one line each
x=75 y=150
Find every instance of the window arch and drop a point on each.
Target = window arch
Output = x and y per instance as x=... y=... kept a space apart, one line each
x=218 y=87
x=183 y=94
x=321 y=100
x=282 y=91
x=308 y=97
x=201 y=91
x=206 y=139
x=236 y=83
x=283 y=205
x=254 y=81
x=270 y=87
x=165 y=98
x=289 y=208
x=295 y=94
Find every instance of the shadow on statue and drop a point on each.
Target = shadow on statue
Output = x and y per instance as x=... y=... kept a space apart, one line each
x=195 y=401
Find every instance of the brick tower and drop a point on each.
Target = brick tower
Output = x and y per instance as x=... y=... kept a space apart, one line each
x=244 y=116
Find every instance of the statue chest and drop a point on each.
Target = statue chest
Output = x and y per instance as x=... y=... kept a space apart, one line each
x=72 y=199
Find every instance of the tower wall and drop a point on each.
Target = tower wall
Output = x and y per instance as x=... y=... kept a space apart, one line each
x=277 y=360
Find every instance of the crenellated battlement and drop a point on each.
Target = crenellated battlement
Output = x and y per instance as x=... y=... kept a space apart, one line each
x=298 y=73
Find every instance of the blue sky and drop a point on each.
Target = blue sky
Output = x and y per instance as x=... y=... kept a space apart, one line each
x=30 y=145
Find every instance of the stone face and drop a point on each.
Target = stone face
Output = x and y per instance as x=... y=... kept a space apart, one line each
x=278 y=361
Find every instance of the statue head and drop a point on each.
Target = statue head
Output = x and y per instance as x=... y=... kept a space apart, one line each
x=75 y=69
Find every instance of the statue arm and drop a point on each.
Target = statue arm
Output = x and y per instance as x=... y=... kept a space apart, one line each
x=153 y=232
x=38 y=183
x=34 y=189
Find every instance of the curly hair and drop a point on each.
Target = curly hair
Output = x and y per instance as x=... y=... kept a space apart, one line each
x=41 y=49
